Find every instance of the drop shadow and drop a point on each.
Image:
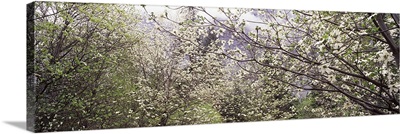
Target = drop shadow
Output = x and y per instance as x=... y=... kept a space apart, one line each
x=18 y=124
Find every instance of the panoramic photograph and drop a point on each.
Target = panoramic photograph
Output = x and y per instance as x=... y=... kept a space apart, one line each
x=102 y=66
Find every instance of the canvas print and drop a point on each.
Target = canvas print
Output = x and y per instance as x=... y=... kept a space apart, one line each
x=102 y=66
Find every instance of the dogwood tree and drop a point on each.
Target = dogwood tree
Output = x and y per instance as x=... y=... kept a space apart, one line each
x=73 y=48
x=353 y=56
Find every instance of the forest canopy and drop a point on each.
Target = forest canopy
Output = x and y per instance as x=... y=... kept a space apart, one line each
x=100 y=66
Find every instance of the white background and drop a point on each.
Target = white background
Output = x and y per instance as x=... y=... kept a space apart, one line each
x=13 y=71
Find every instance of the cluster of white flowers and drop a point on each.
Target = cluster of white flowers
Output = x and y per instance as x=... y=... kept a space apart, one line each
x=394 y=88
x=384 y=56
x=335 y=32
x=324 y=69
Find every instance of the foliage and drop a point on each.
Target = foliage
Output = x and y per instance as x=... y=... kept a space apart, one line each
x=319 y=104
x=312 y=50
x=111 y=66
x=76 y=47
